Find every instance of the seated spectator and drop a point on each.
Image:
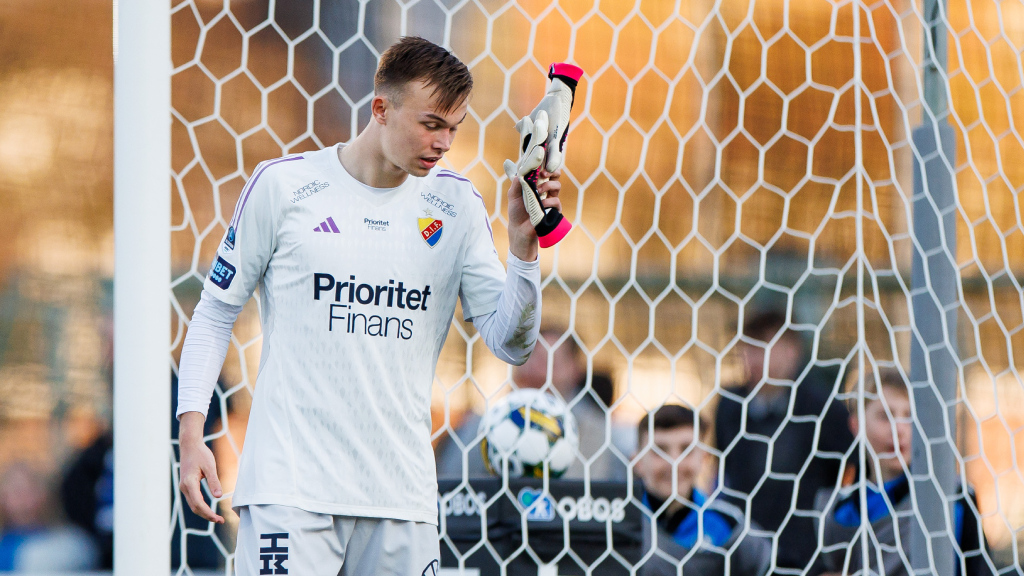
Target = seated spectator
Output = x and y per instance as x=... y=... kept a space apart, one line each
x=890 y=508
x=779 y=409
x=569 y=380
x=32 y=540
x=684 y=517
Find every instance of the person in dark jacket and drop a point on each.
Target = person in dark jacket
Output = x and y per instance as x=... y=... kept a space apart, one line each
x=890 y=507
x=782 y=407
x=87 y=493
x=706 y=535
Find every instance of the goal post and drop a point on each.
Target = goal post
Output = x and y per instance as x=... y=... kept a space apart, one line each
x=142 y=264
x=934 y=355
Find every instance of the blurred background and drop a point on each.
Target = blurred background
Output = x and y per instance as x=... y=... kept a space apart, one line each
x=712 y=171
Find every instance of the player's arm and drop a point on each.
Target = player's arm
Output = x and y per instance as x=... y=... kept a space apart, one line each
x=238 y=266
x=504 y=305
x=510 y=332
x=202 y=356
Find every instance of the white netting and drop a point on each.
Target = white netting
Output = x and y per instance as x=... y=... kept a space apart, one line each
x=725 y=157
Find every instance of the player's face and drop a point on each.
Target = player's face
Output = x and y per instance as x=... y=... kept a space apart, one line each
x=655 y=469
x=878 y=428
x=416 y=135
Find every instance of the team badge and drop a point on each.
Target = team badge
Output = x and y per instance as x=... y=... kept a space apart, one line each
x=430 y=229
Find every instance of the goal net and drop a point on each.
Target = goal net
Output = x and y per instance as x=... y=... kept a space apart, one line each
x=855 y=167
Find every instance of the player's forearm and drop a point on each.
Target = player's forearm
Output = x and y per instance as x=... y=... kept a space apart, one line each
x=190 y=428
x=203 y=352
x=510 y=332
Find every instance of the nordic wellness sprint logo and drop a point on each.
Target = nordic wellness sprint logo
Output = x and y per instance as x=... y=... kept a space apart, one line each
x=364 y=309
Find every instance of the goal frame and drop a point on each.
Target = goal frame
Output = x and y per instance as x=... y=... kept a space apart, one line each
x=142 y=269
x=142 y=199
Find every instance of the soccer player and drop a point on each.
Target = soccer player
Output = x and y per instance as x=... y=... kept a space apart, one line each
x=360 y=253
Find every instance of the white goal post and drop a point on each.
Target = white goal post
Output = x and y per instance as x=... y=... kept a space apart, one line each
x=142 y=263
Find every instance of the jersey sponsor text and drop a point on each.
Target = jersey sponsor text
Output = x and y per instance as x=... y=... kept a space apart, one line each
x=351 y=293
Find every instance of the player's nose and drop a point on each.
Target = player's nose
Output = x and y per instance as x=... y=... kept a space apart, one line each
x=444 y=140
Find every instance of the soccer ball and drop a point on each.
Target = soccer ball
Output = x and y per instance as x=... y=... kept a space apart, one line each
x=528 y=428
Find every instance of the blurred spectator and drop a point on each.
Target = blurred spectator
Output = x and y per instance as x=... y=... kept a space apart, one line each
x=780 y=409
x=569 y=379
x=690 y=520
x=32 y=539
x=88 y=497
x=890 y=510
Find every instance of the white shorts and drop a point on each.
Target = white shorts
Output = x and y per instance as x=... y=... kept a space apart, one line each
x=285 y=540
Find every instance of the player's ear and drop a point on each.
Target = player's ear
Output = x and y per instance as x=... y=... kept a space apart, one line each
x=379 y=107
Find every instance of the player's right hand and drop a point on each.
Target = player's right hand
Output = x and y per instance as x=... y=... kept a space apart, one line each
x=197 y=462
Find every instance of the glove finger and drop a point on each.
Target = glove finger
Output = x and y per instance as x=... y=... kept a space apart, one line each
x=555 y=159
x=524 y=126
x=533 y=159
x=540 y=126
x=510 y=169
x=532 y=203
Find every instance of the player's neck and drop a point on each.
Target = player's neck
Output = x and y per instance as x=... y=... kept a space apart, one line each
x=364 y=160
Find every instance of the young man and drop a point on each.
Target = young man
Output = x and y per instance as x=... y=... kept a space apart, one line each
x=769 y=424
x=360 y=253
x=670 y=461
x=887 y=429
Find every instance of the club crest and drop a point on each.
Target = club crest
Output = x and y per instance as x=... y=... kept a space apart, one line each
x=430 y=229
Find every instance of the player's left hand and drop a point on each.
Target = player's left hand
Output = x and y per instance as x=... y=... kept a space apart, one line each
x=521 y=234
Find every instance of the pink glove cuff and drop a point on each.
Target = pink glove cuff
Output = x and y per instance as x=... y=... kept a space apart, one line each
x=568 y=70
x=555 y=236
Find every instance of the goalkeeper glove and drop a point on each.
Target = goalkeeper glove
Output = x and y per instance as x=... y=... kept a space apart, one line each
x=542 y=137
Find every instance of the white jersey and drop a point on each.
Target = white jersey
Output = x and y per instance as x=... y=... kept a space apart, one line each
x=358 y=288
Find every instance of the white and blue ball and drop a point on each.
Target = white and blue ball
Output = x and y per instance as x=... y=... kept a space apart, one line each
x=528 y=429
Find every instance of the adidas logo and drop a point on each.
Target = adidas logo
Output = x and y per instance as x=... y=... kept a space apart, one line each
x=327 y=226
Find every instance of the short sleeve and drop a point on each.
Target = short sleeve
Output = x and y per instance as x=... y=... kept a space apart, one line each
x=248 y=243
x=483 y=276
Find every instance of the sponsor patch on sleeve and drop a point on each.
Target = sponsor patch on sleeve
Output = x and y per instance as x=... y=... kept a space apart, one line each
x=222 y=273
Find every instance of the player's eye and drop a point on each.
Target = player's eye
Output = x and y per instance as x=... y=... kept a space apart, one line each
x=431 y=126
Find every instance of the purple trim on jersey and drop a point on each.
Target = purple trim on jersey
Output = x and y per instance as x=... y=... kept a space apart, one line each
x=449 y=174
x=452 y=175
x=334 y=227
x=486 y=221
x=237 y=218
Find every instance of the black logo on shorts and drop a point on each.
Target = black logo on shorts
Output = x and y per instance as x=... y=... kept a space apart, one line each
x=432 y=569
x=275 y=553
